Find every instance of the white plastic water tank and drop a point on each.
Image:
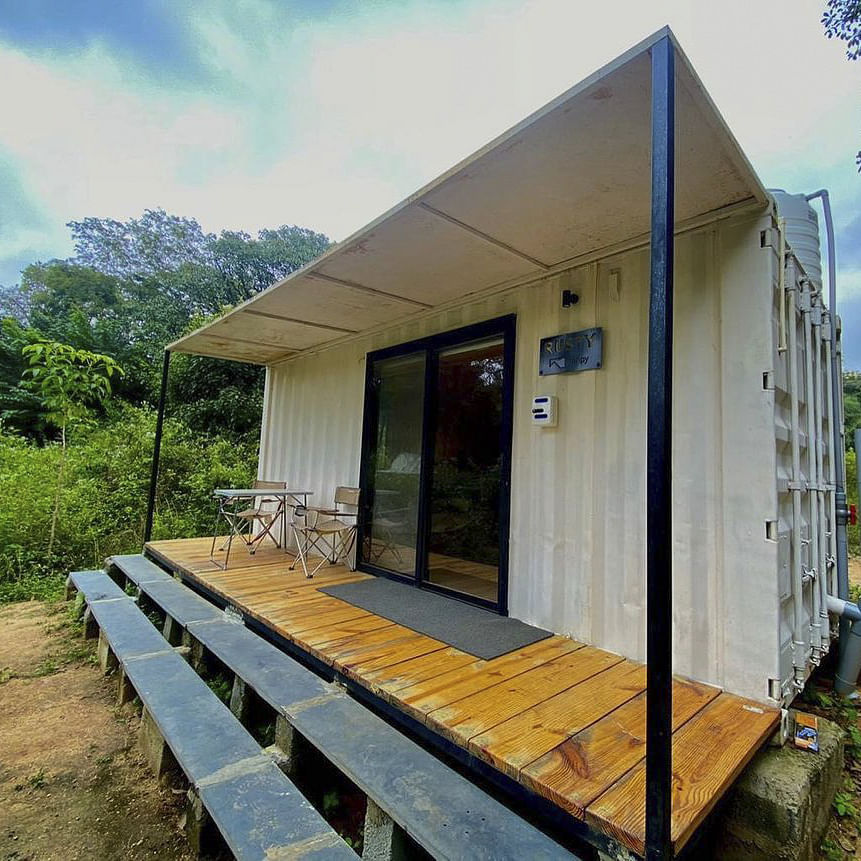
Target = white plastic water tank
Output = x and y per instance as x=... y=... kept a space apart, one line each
x=802 y=231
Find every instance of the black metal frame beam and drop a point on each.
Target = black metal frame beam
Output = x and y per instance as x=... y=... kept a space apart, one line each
x=156 y=452
x=659 y=538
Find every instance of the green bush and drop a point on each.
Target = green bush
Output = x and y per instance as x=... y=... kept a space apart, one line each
x=852 y=497
x=103 y=504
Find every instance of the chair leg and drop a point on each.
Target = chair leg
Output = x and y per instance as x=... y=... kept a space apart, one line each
x=349 y=544
x=229 y=545
x=299 y=552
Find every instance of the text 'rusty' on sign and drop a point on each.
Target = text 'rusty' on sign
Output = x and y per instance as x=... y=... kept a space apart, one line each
x=573 y=351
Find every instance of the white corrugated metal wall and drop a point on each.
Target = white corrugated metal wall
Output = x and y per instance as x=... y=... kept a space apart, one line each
x=577 y=561
x=814 y=489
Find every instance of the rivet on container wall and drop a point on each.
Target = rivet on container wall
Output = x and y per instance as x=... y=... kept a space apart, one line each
x=614 y=283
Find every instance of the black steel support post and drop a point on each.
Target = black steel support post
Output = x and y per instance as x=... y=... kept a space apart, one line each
x=659 y=539
x=156 y=450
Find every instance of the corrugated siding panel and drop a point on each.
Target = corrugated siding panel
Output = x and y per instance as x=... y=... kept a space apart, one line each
x=578 y=491
x=783 y=448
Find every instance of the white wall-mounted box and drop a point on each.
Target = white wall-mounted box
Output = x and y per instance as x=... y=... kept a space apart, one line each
x=544 y=411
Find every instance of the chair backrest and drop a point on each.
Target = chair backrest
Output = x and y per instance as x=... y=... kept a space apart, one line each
x=346 y=496
x=259 y=484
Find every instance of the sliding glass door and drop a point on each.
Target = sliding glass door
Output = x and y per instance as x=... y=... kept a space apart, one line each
x=396 y=397
x=436 y=462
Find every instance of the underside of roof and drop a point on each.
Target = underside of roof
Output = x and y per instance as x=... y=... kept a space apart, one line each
x=568 y=181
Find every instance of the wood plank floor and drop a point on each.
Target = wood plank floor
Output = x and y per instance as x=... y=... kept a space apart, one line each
x=564 y=719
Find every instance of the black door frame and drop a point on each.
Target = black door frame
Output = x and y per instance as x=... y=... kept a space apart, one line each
x=431 y=346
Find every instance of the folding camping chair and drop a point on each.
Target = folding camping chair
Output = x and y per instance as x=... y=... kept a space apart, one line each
x=387 y=523
x=258 y=510
x=326 y=531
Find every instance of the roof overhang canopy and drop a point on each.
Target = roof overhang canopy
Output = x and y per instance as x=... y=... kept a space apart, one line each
x=570 y=180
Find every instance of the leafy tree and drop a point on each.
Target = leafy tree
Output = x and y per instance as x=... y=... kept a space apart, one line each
x=135 y=286
x=140 y=247
x=105 y=494
x=69 y=382
x=54 y=289
x=20 y=409
x=851 y=405
x=842 y=20
x=13 y=304
x=213 y=393
x=203 y=271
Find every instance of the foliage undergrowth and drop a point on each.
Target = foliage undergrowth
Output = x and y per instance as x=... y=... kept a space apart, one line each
x=104 y=498
x=844 y=832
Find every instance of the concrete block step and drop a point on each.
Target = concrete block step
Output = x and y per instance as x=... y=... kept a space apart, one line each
x=138 y=568
x=275 y=677
x=198 y=728
x=262 y=815
x=95 y=586
x=440 y=809
x=258 y=810
x=129 y=633
x=179 y=602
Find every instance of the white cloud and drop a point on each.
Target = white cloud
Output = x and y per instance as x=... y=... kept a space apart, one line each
x=327 y=123
x=850 y=282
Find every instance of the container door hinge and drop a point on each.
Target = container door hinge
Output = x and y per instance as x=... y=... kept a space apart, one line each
x=768 y=381
x=768 y=238
x=777 y=689
x=786 y=728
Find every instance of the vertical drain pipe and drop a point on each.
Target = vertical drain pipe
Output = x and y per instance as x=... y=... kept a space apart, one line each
x=781 y=284
x=830 y=408
x=812 y=477
x=821 y=564
x=799 y=643
x=841 y=509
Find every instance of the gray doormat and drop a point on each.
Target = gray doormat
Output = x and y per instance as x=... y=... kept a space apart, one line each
x=470 y=629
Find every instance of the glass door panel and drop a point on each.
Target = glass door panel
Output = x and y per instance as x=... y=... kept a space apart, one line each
x=394 y=464
x=464 y=530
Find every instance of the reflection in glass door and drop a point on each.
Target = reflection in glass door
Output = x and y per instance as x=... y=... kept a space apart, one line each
x=397 y=402
x=464 y=535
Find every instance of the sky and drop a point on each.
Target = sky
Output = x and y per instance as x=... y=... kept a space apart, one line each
x=255 y=113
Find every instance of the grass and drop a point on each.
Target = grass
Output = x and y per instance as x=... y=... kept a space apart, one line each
x=264 y=733
x=34 y=781
x=844 y=830
x=31 y=586
x=221 y=686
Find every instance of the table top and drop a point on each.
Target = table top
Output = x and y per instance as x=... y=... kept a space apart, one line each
x=260 y=491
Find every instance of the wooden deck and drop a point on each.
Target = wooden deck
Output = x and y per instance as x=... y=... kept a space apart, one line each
x=563 y=719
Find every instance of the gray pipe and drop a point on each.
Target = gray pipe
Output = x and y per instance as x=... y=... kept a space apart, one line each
x=857 y=449
x=837 y=429
x=839 y=607
x=849 y=665
x=850 y=662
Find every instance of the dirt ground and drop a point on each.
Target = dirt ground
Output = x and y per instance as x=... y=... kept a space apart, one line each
x=72 y=783
x=855 y=570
